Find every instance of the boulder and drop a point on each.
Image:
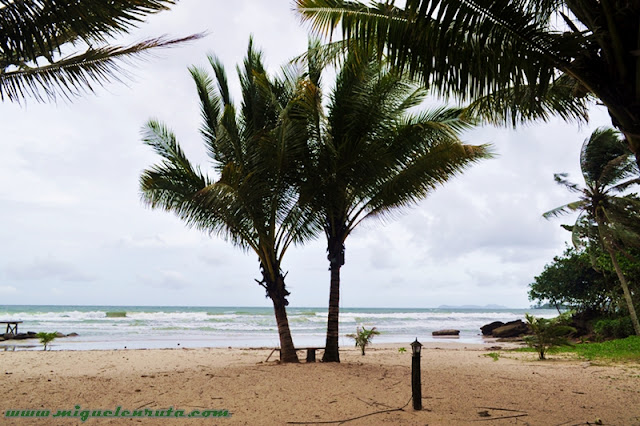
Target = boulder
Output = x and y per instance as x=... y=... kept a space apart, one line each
x=487 y=330
x=511 y=329
x=446 y=333
x=21 y=336
x=58 y=334
x=72 y=334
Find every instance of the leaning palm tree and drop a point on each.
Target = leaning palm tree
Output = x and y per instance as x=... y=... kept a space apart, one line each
x=478 y=48
x=369 y=157
x=252 y=203
x=35 y=37
x=605 y=211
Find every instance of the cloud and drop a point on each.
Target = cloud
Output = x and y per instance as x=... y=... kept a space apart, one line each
x=46 y=269
x=7 y=289
x=171 y=280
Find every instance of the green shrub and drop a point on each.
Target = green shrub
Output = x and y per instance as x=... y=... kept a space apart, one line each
x=46 y=338
x=548 y=333
x=363 y=337
x=617 y=328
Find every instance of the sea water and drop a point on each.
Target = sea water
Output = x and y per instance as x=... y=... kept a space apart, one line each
x=137 y=327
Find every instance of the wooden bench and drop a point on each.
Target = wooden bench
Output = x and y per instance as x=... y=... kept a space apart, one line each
x=311 y=352
x=12 y=327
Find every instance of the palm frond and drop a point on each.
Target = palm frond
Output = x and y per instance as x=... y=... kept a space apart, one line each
x=31 y=29
x=565 y=209
x=71 y=76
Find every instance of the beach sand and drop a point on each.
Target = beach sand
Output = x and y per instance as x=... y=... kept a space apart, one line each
x=459 y=383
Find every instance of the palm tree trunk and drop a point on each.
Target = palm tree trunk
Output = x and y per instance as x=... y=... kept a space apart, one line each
x=278 y=294
x=331 y=350
x=287 y=349
x=625 y=290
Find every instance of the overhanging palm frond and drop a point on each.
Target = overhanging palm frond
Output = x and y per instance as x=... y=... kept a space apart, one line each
x=518 y=105
x=489 y=39
x=34 y=33
x=76 y=74
x=29 y=29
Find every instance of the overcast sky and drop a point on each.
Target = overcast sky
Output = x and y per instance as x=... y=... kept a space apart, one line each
x=74 y=232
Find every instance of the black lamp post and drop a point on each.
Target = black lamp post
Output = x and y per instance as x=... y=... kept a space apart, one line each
x=416 y=385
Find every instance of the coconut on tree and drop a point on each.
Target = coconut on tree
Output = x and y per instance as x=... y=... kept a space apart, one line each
x=369 y=156
x=252 y=201
x=605 y=207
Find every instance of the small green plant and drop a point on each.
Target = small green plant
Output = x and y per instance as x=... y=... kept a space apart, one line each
x=493 y=355
x=402 y=350
x=46 y=338
x=548 y=333
x=363 y=337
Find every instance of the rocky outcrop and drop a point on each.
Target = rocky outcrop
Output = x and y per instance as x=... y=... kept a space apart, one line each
x=487 y=330
x=505 y=330
x=446 y=333
x=511 y=329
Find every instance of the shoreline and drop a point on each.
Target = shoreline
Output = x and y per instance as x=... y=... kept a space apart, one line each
x=457 y=381
x=82 y=346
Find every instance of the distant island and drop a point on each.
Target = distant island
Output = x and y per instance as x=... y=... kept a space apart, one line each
x=490 y=306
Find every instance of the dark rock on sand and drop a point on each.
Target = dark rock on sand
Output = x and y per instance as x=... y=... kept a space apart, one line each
x=511 y=329
x=19 y=336
x=446 y=333
x=72 y=334
x=58 y=334
x=487 y=330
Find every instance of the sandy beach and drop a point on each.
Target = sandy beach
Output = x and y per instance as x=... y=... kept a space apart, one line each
x=460 y=385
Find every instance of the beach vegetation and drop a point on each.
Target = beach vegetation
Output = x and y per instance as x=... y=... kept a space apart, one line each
x=493 y=355
x=402 y=350
x=616 y=350
x=370 y=156
x=613 y=328
x=548 y=333
x=513 y=53
x=573 y=281
x=46 y=338
x=363 y=337
x=609 y=216
x=253 y=200
x=38 y=35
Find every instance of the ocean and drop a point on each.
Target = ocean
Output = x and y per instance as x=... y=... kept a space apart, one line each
x=143 y=327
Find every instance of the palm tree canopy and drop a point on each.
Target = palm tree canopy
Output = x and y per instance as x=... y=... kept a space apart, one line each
x=33 y=35
x=252 y=203
x=609 y=172
x=477 y=48
x=370 y=155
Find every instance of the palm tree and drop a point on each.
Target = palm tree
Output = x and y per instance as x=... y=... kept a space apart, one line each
x=478 y=48
x=252 y=203
x=369 y=157
x=608 y=172
x=35 y=37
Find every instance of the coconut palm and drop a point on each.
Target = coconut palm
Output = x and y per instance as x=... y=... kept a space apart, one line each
x=252 y=203
x=36 y=38
x=478 y=48
x=608 y=172
x=369 y=157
